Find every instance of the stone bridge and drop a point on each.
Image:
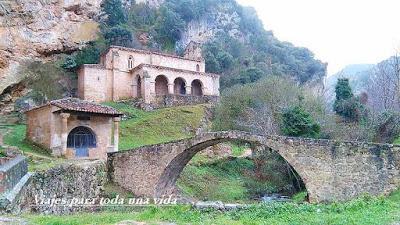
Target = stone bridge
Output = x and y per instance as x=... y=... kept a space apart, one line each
x=330 y=170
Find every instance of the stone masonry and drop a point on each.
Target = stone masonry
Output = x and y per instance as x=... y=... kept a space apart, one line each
x=330 y=170
x=125 y=73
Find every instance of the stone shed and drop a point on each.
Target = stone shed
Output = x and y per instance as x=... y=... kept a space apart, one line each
x=74 y=128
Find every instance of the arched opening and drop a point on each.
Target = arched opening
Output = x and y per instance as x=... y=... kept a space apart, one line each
x=197 y=88
x=130 y=62
x=139 y=87
x=252 y=167
x=161 y=85
x=179 y=86
x=81 y=139
x=197 y=68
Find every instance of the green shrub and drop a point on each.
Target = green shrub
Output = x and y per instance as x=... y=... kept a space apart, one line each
x=119 y=35
x=299 y=123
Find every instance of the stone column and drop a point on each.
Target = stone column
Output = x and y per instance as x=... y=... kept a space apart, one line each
x=116 y=133
x=171 y=88
x=148 y=88
x=115 y=65
x=64 y=132
x=188 y=90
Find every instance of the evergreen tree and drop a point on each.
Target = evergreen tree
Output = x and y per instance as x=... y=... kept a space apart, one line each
x=299 y=123
x=343 y=90
x=346 y=104
x=169 y=26
x=114 y=11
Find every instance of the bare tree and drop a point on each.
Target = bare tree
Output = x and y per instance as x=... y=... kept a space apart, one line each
x=384 y=85
x=259 y=121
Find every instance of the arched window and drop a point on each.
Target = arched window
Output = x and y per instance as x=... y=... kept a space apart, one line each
x=161 y=85
x=197 y=68
x=130 y=62
x=81 y=137
x=197 y=88
x=179 y=86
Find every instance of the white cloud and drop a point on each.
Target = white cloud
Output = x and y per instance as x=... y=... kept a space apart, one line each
x=339 y=32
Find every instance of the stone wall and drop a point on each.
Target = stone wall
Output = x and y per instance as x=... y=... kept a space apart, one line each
x=11 y=173
x=330 y=170
x=39 y=124
x=120 y=60
x=179 y=100
x=14 y=176
x=83 y=180
x=94 y=83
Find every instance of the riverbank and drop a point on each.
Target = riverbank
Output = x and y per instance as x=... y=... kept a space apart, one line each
x=363 y=211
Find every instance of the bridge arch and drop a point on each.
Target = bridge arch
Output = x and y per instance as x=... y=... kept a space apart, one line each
x=167 y=182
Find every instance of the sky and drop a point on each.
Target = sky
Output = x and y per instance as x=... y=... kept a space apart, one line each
x=339 y=32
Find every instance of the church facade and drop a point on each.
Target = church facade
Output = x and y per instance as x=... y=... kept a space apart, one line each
x=125 y=73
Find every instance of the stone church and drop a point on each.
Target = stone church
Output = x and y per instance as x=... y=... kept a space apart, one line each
x=125 y=73
x=81 y=128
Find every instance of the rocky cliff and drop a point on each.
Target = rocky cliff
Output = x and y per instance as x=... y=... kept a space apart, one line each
x=221 y=19
x=38 y=29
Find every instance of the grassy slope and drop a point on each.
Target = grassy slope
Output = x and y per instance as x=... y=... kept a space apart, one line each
x=228 y=180
x=39 y=159
x=145 y=128
x=363 y=211
x=222 y=180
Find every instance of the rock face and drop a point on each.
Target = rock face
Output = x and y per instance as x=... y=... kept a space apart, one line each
x=224 y=18
x=31 y=29
x=152 y=3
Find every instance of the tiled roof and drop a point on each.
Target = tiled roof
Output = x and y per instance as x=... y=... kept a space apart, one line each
x=78 y=105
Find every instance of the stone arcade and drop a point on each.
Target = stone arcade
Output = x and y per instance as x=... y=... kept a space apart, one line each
x=125 y=73
x=74 y=128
